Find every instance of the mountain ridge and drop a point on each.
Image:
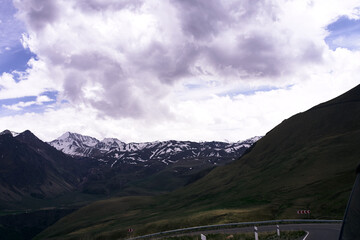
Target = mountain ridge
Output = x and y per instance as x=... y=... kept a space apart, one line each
x=70 y=140
x=168 y=152
x=110 y=166
x=30 y=167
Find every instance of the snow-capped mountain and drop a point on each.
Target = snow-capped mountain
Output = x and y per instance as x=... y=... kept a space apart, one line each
x=75 y=144
x=109 y=144
x=112 y=151
x=108 y=166
x=85 y=146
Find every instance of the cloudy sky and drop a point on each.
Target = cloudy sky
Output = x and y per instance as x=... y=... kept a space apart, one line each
x=144 y=70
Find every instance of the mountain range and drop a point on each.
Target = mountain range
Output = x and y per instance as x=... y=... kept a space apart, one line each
x=45 y=181
x=306 y=162
x=34 y=171
x=114 y=152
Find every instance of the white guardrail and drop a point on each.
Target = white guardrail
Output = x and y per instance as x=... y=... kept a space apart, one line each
x=238 y=224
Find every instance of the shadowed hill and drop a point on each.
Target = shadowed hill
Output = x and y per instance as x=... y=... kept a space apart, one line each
x=306 y=162
x=30 y=168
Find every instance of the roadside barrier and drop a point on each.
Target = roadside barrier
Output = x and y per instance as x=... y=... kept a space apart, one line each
x=238 y=224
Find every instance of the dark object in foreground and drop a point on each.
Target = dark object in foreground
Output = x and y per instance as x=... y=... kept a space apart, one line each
x=350 y=228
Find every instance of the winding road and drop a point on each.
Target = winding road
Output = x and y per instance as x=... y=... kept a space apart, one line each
x=317 y=231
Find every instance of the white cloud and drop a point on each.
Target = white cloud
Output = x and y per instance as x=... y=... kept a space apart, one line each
x=43 y=99
x=19 y=106
x=212 y=118
x=40 y=100
x=141 y=70
x=34 y=81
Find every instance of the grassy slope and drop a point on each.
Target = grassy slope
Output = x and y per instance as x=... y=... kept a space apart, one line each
x=306 y=162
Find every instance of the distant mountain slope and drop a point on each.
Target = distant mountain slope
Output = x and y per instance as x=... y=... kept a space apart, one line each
x=167 y=152
x=34 y=172
x=75 y=144
x=150 y=167
x=306 y=162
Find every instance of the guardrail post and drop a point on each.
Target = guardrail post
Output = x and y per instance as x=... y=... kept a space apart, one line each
x=203 y=237
x=278 y=230
x=256 y=233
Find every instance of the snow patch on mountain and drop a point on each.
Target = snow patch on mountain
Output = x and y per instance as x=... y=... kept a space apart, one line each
x=75 y=144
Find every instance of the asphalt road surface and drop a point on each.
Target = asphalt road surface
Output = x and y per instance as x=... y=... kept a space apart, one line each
x=317 y=231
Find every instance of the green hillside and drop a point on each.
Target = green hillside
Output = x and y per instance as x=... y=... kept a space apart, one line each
x=306 y=162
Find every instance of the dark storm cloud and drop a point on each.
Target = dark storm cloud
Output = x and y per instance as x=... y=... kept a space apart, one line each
x=255 y=56
x=312 y=53
x=73 y=85
x=114 y=91
x=257 y=53
x=120 y=102
x=91 y=68
x=204 y=19
x=167 y=64
x=38 y=13
x=201 y=19
x=93 y=60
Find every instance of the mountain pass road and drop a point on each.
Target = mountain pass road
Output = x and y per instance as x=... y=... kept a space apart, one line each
x=317 y=231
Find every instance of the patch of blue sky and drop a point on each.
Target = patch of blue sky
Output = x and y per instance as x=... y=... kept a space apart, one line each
x=193 y=86
x=12 y=101
x=29 y=104
x=15 y=59
x=249 y=92
x=51 y=94
x=344 y=33
x=10 y=27
x=13 y=56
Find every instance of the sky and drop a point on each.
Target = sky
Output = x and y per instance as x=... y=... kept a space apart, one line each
x=146 y=70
